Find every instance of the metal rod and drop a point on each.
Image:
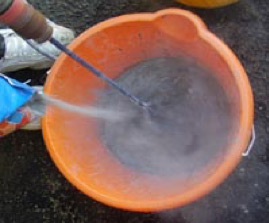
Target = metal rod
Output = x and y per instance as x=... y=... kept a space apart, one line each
x=39 y=50
x=98 y=73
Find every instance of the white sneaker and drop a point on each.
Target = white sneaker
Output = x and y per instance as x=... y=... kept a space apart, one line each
x=37 y=109
x=19 y=55
x=33 y=125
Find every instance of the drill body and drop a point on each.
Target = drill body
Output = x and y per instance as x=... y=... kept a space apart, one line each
x=25 y=20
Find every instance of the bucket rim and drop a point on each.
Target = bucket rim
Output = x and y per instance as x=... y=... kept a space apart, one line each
x=228 y=164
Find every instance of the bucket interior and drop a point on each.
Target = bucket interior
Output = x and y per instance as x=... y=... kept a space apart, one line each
x=188 y=118
x=114 y=50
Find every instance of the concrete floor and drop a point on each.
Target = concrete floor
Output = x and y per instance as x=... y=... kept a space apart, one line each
x=33 y=190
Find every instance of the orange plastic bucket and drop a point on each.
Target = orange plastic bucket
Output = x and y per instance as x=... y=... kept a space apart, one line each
x=112 y=46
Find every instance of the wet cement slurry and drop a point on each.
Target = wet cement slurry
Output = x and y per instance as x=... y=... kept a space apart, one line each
x=186 y=128
x=33 y=190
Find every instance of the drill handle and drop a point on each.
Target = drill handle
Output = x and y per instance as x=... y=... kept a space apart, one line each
x=26 y=21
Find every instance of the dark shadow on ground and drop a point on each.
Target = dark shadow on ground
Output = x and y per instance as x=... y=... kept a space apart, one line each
x=33 y=190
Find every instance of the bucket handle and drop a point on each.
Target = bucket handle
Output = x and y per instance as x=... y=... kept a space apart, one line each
x=251 y=142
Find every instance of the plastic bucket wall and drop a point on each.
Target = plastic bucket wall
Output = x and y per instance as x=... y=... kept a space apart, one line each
x=207 y=3
x=113 y=46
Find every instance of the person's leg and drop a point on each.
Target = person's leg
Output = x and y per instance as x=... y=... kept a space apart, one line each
x=15 y=109
x=17 y=54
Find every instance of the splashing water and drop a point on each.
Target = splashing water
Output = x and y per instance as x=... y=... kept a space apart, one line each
x=41 y=100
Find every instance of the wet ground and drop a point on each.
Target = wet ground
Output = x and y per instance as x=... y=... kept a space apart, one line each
x=33 y=190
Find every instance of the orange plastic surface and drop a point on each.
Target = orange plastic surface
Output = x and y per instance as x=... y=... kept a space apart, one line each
x=113 y=46
x=207 y=3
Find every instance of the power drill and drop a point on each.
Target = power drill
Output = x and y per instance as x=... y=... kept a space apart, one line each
x=25 y=20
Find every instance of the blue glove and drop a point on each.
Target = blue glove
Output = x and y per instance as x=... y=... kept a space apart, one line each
x=13 y=95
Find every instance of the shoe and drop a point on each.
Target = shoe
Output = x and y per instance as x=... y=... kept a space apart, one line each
x=20 y=105
x=24 y=118
x=33 y=125
x=16 y=121
x=37 y=109
x=19 y=55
